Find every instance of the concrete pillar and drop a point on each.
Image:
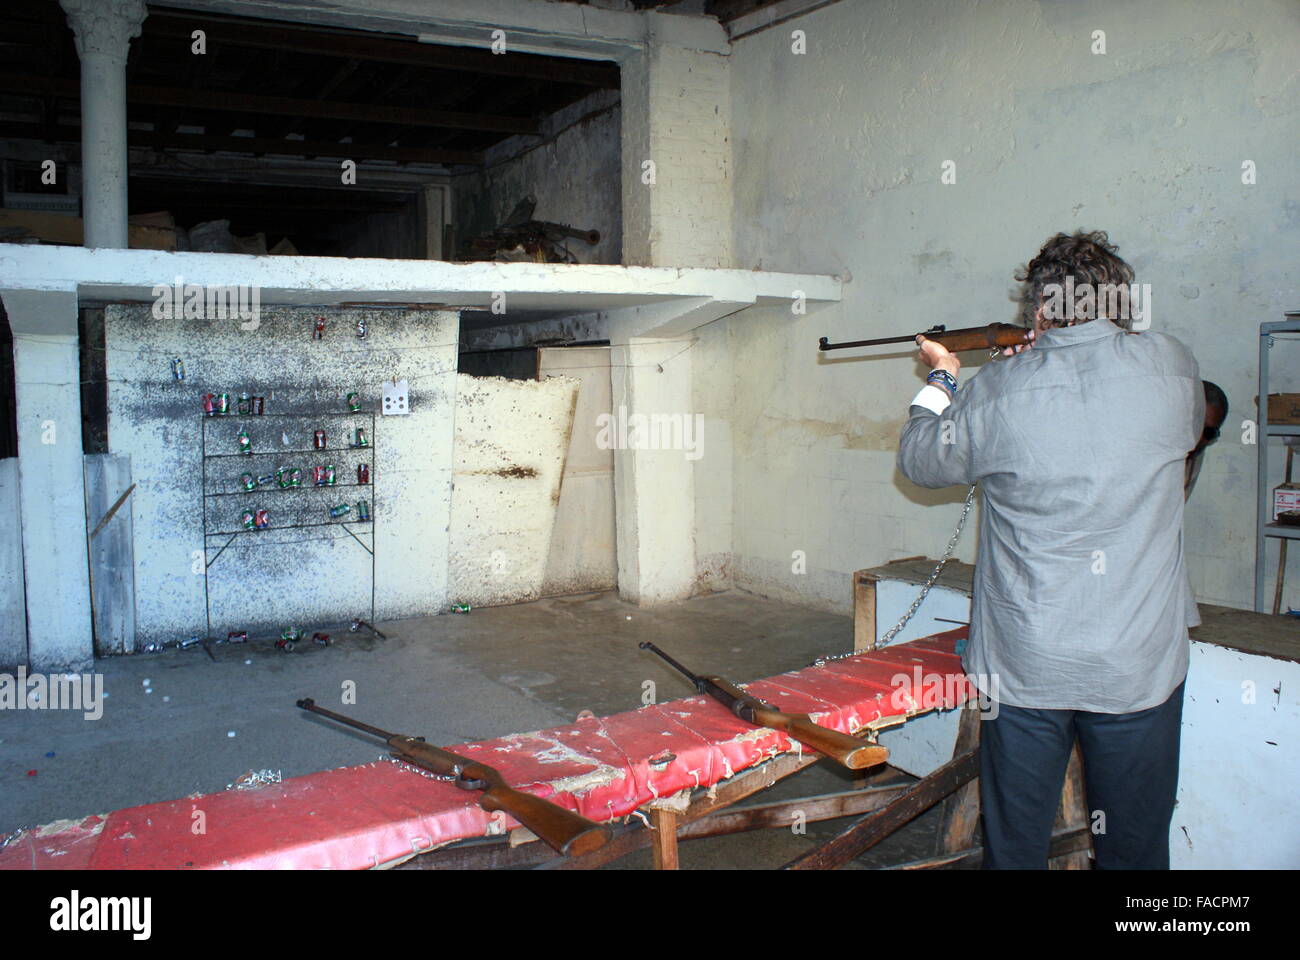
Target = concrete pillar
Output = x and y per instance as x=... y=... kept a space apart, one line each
x=47 y=378
x=654 y=489
x=103 y=31
x=676 y=116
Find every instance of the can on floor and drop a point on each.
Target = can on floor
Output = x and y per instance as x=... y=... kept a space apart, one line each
x=363 y=473
x=178 y=368
x=460 y=608
x=261 y=519
x=223 y=403
x=318 y=439
x=341 y=510
x=361 y=437
x=247 y=519
x=330 y=475
x=247 y=483
x=363 y=509
x=245 y=405
x=209 y=404
x=259 y=406
x=318 y=476
x=354 y=402
x=295 y=477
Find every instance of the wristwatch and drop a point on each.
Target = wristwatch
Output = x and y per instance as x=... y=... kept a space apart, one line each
x=943 y=378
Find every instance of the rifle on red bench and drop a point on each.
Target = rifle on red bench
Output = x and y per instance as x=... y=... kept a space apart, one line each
x=850 y=751
x=563 y=830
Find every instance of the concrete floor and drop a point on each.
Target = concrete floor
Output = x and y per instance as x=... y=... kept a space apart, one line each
x=450 y=679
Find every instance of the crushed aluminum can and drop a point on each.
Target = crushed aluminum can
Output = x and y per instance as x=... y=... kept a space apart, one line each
x=354 y=402
x=261 y=520
x=237 y=636
x=460 y=608
x=322 y=639
x=259 y=406
x=255 y=778
x=186 y=644
x=318 y=332
x=209 y=404
x=178 y=368
x=362 y=328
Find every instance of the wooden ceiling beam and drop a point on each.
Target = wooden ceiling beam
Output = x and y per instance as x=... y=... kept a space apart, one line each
x=387 y=48
x=256 y=145
x=231 y=101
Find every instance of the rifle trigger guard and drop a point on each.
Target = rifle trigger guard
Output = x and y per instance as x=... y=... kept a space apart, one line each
x=467 y=784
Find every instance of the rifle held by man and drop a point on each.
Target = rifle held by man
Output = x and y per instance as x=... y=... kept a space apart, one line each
x=850 y=751
x=563 y=830
x=995 y=336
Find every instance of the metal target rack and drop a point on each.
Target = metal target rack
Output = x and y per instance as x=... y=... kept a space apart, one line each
x=222 y=507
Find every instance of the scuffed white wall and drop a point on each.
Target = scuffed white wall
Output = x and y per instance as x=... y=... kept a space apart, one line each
x=309 y=576
x=511 y=440
x=839 y=155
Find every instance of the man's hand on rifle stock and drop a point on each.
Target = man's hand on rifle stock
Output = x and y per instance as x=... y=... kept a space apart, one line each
x=936 y=356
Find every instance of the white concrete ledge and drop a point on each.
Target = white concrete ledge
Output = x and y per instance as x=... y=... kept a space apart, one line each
x=133 y=274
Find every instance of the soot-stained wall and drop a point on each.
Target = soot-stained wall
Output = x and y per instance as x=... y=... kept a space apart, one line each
x=280 y=577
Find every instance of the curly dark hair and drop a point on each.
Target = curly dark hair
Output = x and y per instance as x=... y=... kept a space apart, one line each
x=1089 y=258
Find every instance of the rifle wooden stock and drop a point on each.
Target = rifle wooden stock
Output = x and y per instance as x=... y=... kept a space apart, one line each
x=850 y=751
x=993 y=336
x=564 y=831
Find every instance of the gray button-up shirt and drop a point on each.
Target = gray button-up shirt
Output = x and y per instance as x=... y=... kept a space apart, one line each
x=1081 y=597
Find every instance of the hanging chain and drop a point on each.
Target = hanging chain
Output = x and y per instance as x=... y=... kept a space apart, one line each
x=925 y=589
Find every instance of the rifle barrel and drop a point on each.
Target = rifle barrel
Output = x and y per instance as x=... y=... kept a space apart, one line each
x=647 y=645
x=825 y=344
x=309 y=704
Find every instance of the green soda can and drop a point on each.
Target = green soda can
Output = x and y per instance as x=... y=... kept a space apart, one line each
x=248 y=520
x=247 y=483
x=363 y=509
x=245 y=443
x=330 y=475
x=281 y=477
x=340 y=510
x=295 y=477
x=354 y=402
x=361 y=438
x=460 y=608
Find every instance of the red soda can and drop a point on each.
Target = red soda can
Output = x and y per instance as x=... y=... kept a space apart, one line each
x=209 y=404
x=237 y=636
x=319 y=331
x=318 y=476
x=319 y=439
x=363 y=473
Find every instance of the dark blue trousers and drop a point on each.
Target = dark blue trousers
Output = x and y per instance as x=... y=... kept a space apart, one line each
x=1130 y=772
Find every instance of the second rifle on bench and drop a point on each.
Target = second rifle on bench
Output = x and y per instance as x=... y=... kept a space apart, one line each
x=850 y=751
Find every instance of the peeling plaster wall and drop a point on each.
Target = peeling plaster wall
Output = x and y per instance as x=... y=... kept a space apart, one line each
x=711 y=385
x=511 y=440
x=574 y=173
x=838 y=164
x=156 y=421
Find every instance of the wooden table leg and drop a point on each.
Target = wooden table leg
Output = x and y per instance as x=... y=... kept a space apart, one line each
x=664 y=823
x=961 y=811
